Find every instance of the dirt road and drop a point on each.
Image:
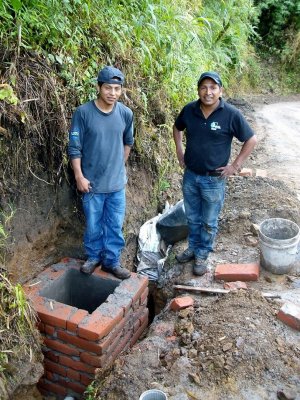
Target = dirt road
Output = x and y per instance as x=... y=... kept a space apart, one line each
x=281 y=123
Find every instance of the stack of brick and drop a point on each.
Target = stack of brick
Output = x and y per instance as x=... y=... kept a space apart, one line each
x=76 y=343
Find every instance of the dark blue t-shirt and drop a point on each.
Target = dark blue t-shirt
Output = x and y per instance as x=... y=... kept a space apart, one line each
x=98 y=138
x=208 y=141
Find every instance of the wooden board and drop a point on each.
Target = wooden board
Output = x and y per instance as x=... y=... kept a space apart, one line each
x=199 y=289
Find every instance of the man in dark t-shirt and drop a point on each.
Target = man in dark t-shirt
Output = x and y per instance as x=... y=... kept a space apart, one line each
x=209 y=124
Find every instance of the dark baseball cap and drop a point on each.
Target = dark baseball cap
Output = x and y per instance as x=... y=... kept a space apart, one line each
x=111 y=75
x=212 y=75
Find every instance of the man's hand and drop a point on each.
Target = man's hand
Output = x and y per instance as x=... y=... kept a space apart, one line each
x=180 y=157
x=177 y=135
x=83 y=184
x=229 y=170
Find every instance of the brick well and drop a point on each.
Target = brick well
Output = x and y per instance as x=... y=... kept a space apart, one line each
x=85 y=321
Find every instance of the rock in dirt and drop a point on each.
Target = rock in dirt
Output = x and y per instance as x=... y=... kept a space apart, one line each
x=286 y=394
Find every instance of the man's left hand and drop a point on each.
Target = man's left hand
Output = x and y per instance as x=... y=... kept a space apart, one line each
x=229 y=170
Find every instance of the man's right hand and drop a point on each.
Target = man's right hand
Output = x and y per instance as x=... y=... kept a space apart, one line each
x=180 y=156
x=83 y=184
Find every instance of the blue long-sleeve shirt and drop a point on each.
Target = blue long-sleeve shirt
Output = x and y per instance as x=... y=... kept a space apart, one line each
x=98 y=138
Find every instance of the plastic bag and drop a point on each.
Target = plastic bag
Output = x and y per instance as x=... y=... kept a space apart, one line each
x=172 y=225
x=151 y=260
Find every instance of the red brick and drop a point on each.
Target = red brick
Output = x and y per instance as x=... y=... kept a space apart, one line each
x=86 y=379
x=290 y=315
x=115 y=343
x=78 y=342
x=138 y=314
x=136 y=325
x=61 y=347
x=136 y=305
x=75 y=375
x=235 y=285
x=52 y=387
x=44 y=392
x=76 y=319
x=110 y=310
x=138 y=333
x=105 y=275
x=237 y=272
x=54 y=367
x=77 y=365
x=57 y=316
x=144 y=296
x=171 y=338
x=96 y=327
x=261 y=172
x=181 y=302
x=49 y=330
x=144 y=317
x=51 y=355
x=111 y=337
x=123 y=345
x=31 y=290
x=50 y=376
x=163 y=328
x=41 y=327
x=94 y=361
x=246 y=172
x=76 y=387
x=122 y=301
x=133 y=286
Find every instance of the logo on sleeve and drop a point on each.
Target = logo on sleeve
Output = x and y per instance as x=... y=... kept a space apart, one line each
x=74 y=134
x=214 y=126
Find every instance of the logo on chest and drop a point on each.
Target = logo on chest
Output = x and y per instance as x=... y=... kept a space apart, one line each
x=214 y=126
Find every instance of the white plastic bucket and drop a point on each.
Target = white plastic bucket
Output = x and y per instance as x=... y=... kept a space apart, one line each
x=278 y=238
x=153 y=394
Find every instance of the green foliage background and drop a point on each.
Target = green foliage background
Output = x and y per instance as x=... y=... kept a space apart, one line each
x=161 y=45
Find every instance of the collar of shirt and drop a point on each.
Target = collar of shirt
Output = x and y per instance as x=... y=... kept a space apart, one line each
x=198 y=111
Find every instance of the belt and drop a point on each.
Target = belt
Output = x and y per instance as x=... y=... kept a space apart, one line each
x=211 y=173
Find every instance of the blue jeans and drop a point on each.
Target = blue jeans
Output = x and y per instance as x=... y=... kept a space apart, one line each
x=203 y=201
x=103 y=237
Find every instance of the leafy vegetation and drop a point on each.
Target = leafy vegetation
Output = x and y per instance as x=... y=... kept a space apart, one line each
x=279 y=30
x=162 y=46
x=5 y=218
x=19 y=337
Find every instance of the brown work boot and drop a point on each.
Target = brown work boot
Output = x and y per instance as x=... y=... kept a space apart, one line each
x=118 y=272
x=200 y=266
x=89 y=266
x=185 y=256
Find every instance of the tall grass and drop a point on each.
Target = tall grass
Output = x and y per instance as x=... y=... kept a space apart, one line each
x=166 y=43
x=161 y=45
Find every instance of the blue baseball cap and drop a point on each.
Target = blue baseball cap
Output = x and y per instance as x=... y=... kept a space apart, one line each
x=212 y=75
x=111 y=75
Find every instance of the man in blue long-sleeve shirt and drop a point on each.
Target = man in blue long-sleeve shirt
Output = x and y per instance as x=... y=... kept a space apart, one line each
x=100 y=140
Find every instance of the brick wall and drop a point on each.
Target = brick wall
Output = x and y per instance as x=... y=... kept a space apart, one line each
x=77 y=342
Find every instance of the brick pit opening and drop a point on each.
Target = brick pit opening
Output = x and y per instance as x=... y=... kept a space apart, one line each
x=85 y=322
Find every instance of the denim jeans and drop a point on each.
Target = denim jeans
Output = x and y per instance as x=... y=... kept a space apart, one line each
x=103 y=237
x=203 y=200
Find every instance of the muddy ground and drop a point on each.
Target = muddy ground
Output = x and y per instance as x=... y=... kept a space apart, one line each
x=229 y=346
